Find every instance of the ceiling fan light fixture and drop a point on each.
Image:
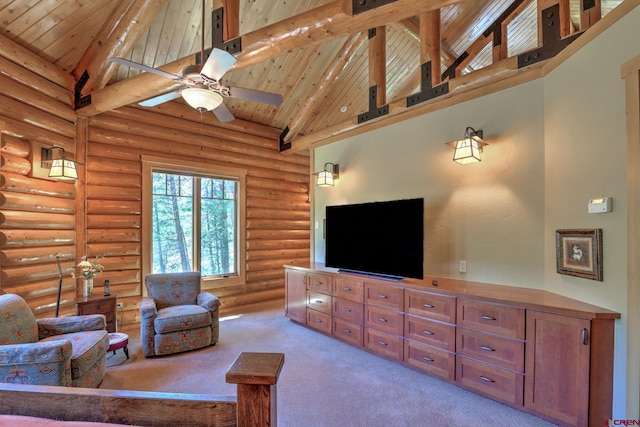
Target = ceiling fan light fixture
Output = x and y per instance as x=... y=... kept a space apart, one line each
x=202 y=99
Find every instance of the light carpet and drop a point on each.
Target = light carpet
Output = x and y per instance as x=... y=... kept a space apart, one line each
x=324 y=382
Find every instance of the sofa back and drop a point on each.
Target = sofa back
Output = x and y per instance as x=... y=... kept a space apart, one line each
x=170 y=289
x=17 y=322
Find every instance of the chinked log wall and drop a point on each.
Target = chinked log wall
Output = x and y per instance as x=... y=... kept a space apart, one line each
x=277 y=195
x=40 y=218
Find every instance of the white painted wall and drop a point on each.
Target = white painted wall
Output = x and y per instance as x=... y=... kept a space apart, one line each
x=585 y=157
x=554 y=144
x=489 y=213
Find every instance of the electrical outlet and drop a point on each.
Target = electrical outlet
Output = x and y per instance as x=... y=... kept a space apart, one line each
x=463 y=266
x=119 y=305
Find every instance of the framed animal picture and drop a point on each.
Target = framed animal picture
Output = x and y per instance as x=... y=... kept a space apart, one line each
x=579 y=253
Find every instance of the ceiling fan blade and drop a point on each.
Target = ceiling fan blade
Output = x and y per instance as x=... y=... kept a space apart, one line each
x=142 y=67
x=223 y=114
x=255 y=95
x=157 y=100
x=218 y=63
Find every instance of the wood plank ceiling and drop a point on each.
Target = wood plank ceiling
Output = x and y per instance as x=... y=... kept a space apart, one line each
x=322 y=84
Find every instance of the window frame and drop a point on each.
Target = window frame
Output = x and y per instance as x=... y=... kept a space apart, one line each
x=152 y=164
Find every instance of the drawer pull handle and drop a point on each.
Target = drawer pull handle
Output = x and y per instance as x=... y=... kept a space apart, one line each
x=318 y=301
x=485 y=348
x=318 y=321
x=428 y=359
x=489 y=380
x=485 y=317
x=427 y=332
x=382 y=343
x=584 y=336
x=382 y=296
x=346 y=310
x=346 y=289
x=428 y=305
x=346 y=331
x=382 y=319
x=318 y=283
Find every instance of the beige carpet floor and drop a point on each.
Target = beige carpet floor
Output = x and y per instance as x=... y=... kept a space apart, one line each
x=324 y=382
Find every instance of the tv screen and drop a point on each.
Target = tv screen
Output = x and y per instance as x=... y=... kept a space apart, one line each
x=384 y=238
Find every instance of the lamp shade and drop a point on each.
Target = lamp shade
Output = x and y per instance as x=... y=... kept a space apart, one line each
x=467 y=151
x=202 y=99
x=63 y=169
x=325 y=179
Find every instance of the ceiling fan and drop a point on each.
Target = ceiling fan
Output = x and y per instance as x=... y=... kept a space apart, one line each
x=200 y=84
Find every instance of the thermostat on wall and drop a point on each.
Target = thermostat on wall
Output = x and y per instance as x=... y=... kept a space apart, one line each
x=601 y=205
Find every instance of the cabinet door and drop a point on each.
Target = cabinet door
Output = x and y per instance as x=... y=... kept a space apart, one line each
x=557 y=367
x=296 y=295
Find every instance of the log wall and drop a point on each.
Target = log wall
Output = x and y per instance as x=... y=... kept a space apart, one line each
x=277 y=206
x=100 y=213
x=37 y=216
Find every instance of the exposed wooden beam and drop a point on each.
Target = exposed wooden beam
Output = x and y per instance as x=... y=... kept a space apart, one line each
x=487 y=80
x=305 y=112
x=316 y=26
x=378 y=63
x=31 y=61
x=565 y=17
x=430 y=43
x=129 y=20
x=231 y=13
x=590 y=16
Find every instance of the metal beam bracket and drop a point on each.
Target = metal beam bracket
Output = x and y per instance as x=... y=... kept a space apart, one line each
x=588 y=4
x=427 y=91
x=284 y=146
x=79 y=100
x=552 y=42
x=359 y=6
x=374 y=111
x=232 y=46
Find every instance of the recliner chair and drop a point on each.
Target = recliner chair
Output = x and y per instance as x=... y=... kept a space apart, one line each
x=62 y=351
x=176 y=316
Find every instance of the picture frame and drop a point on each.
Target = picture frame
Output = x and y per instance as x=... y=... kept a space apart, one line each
x=579 y=253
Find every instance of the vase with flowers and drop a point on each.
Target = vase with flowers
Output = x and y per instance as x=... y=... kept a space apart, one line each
x=88 y=271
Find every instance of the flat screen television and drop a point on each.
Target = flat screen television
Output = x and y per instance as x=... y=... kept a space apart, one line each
x=381 y=238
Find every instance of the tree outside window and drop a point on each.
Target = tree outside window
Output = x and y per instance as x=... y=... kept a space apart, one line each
x=194 y=224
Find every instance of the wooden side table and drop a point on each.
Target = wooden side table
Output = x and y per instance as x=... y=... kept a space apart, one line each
x=98 y=305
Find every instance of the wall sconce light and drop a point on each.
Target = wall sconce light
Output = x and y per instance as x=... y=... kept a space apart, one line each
x=327 y=175
x=55 y=160
x=468 y=149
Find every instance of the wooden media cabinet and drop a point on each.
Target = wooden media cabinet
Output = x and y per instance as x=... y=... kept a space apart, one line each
x=534 y=350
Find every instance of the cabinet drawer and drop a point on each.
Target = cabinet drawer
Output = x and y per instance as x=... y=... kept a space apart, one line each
x=441 y=335
x=99 y=307
x=319 y=283
x=347 y=331
x=319 y=302
x=499 y=384
x=505 y=352
x=433 y=306
x=384 y=296
x=348 y=310
x=384 y=320
x=489 y=317
x=318 y=320
x=384 y=344
x=429 y=359
x=350 y=289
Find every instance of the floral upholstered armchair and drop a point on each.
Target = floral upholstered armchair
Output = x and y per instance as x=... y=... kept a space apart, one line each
x=63 y=351
x=175 y=315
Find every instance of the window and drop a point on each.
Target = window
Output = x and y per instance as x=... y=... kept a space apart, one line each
x=194 y=220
